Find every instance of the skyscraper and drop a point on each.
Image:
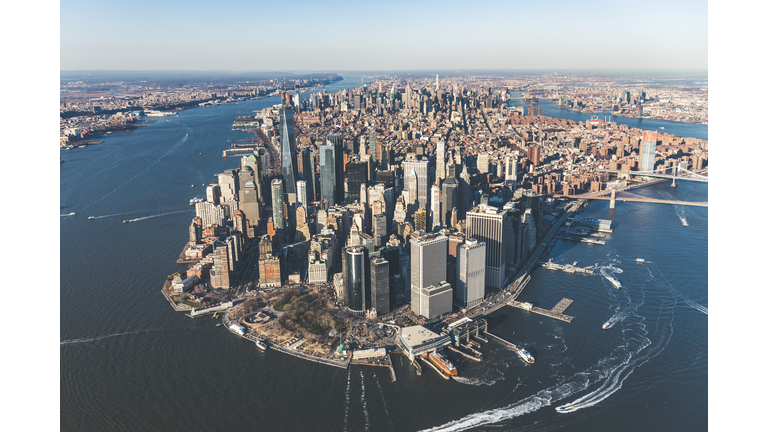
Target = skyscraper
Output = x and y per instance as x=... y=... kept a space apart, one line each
x=440 y=160
x=510 y=170
x=648 y=150
x=301 y=192
x=428 y=286
x=487 y=224
x=450 y=200
x=470 y=273
x=328 y=175
x=419 y=169
x=278 y=218
x=337 y=142
x=357 y=175
x=357 y=290
x=435 y=210
x=288 y=154
x=380 y=285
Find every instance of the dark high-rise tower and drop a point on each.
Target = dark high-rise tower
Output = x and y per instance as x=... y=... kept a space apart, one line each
x=328 y=175
x=450 y=199
x=288 y=154
x=336 y=141
x=357 y=290
x=380 y=285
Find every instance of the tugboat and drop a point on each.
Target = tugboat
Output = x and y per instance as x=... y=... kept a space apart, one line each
x=525 y=355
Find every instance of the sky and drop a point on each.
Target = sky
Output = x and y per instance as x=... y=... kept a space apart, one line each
x=394 y=35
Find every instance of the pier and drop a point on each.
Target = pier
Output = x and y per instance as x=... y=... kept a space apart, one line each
x=556 y=312
x=568 y=268
x=503 y=341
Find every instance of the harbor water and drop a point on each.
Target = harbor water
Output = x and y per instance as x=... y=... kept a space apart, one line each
x=128 y=362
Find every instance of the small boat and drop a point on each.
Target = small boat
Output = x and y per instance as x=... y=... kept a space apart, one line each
x=262 y=346
x=639 y=260
x=91 y=217
x=72 y=214
x=685 y=221
x=193 y=185
x=125 y=221
x=607 y=325
x=525 y=355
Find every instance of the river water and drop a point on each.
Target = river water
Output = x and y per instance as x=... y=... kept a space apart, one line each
x=129 y=362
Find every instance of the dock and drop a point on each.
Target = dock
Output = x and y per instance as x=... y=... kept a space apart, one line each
x=458 y=351
x=556 y=312
x=503 y=341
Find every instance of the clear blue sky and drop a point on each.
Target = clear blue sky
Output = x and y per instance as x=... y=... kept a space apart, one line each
x=345 y=35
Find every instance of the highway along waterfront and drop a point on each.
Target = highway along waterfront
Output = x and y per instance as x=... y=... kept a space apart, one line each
x=129 y=362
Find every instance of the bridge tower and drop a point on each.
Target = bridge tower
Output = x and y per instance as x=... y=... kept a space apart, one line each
x=613 y=199
x=674 y=173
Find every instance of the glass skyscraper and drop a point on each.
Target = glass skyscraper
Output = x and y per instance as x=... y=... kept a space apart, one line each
x=328 y=175
x=288 y=154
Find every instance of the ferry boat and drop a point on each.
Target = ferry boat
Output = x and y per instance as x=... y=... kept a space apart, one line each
x=443 y=363
x=615 y=283
x=525 y=355
x=262 y=346
x=607 y=325
x=639 y=260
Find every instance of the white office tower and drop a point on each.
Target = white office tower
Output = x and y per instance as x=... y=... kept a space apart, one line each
x=419 y=169
x=470 y=273
x=482 y=163
x=440 y=160
x=301 y=191
x=435 y=206
x=431 y=295
x=228 y=185
x=487 y=224
x=210 y=214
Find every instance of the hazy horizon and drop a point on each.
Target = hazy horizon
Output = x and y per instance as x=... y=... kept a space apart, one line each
x=235 y=35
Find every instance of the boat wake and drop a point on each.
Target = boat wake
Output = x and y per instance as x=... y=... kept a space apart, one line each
x=609 y=373
x=95 y=339
x=157 y=215
x=683 y=297
x=346 y=398
x=173 y=147
x=365 y=405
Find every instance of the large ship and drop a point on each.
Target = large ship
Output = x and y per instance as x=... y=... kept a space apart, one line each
x=615 y=283
x=525 y=355
x=443 y=363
